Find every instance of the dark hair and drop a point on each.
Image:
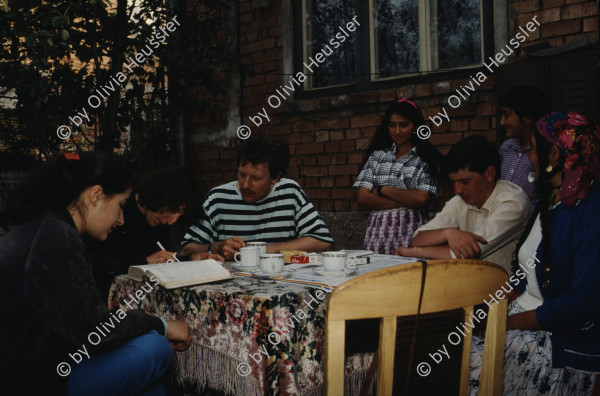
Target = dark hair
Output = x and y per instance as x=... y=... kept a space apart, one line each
x=526 y=101
x=544 y=187
x=59 y=182
x=382 y=139
x=473 y=153
x=167 y=188
x=259 y=149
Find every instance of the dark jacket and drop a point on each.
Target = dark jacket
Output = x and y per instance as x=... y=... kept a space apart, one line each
x=50 y=304
x=571 y=307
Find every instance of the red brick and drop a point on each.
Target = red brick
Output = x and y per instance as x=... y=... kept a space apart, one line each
x=371 y=97
x=324 y=159
x=442 y=87
x=480 y=123
x=339 y=146
x=553 y=3
x=318 y=193
x=326 y=182
x=309 y=161
x=337 y=135
x=343 y=181
x=369 y=132
x=312 y=148
x=365 y=121
x=590 y=24
x=405 y=92
x=343 y=170
x=488 y=108
x=314 y=171
x=549 y=15
x=335 y=123
x=526 y=6
x=362 y=144
x=561 y=28
x=311 y=182
x=580 y=10
x=352 y=133
x=423 y=90
x=297 y=138
x=387 y=96
x=322 y=136
x=459 y=125
x=355 y=158
x=341 y=193
x=324 y=205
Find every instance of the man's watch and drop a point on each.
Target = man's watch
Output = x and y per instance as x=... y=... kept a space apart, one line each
x=379 y=190
x=208 y=250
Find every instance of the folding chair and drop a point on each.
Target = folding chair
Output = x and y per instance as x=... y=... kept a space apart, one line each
x=439 y=285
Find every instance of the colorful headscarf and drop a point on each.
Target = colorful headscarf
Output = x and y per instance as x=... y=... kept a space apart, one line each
x=580 y=141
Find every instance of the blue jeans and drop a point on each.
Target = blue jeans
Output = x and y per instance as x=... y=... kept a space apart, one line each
x=134 y=368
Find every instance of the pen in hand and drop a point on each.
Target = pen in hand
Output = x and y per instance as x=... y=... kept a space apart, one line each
x=164 y=250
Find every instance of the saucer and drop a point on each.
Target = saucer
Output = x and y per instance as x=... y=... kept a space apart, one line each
x=258 y=272
x=333 y=274
x=241 y=267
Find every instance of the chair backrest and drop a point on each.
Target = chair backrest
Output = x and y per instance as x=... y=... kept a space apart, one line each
x=395 y=291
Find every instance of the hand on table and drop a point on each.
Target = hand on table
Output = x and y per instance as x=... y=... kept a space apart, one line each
x=178 y=335
x=405 y=251
x=160 y=257
x=205 y=256
x=463 y=243
x=229 y=247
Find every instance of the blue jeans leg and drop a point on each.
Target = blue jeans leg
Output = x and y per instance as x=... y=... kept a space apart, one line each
x=132 y=369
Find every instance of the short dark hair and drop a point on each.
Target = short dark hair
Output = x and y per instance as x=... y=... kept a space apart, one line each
x=167 y=188
x=259 y=149
x=473 y=153
x=526 y=101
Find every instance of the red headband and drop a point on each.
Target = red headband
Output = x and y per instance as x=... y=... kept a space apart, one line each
x=409 y=102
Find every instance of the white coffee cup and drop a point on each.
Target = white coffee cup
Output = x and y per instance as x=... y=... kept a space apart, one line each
x=337 y=261
x=248 y=256
x=262 y=245
x=271 y=263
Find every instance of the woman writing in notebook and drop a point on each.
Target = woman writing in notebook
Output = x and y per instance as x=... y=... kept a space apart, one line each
x=49 y=294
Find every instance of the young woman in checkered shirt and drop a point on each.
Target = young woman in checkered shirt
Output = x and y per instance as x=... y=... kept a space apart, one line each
x=398 y=180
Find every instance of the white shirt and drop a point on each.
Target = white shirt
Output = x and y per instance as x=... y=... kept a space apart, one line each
x=532 y=297
x=500 y=221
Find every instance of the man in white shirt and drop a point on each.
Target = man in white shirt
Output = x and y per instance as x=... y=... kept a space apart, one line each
x=486 y=217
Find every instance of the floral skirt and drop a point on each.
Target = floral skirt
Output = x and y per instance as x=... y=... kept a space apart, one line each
x=528 y=366
x=389 y=229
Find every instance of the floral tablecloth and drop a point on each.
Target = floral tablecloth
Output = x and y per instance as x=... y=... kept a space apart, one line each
x=249 y=337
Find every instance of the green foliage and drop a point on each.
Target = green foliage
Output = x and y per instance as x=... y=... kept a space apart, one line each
x=54 y=54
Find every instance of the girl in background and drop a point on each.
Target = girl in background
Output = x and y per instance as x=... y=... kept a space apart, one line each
x=50 y=301
x=398 y=180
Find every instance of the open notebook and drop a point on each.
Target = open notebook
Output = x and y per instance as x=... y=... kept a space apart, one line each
x=179 y=274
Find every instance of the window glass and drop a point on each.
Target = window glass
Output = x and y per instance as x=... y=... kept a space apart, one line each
x=458 y=33
x=323 y=19
x=396 y=37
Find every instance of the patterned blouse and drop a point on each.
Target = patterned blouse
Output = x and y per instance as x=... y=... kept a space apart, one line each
x=410 y=172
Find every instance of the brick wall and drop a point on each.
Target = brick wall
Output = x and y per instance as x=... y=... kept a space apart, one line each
x=328 y=137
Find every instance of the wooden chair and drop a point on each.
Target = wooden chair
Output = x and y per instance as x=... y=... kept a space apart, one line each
x=393 y=292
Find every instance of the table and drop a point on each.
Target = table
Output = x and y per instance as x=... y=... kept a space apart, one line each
x=250 y=337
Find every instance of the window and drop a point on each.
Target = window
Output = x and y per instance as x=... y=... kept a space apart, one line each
x=395 y=38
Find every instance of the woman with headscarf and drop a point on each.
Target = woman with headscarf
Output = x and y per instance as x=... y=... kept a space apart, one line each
x=553 y=327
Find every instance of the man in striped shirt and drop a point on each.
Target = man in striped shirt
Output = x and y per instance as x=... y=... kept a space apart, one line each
x=259 y=206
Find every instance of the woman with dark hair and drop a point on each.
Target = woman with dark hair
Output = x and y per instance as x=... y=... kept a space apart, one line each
x=553 y=326
x=398 y=180
x=59 y=336
x=158 y=201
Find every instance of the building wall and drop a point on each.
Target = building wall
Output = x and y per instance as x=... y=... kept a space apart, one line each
x=329 y=136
